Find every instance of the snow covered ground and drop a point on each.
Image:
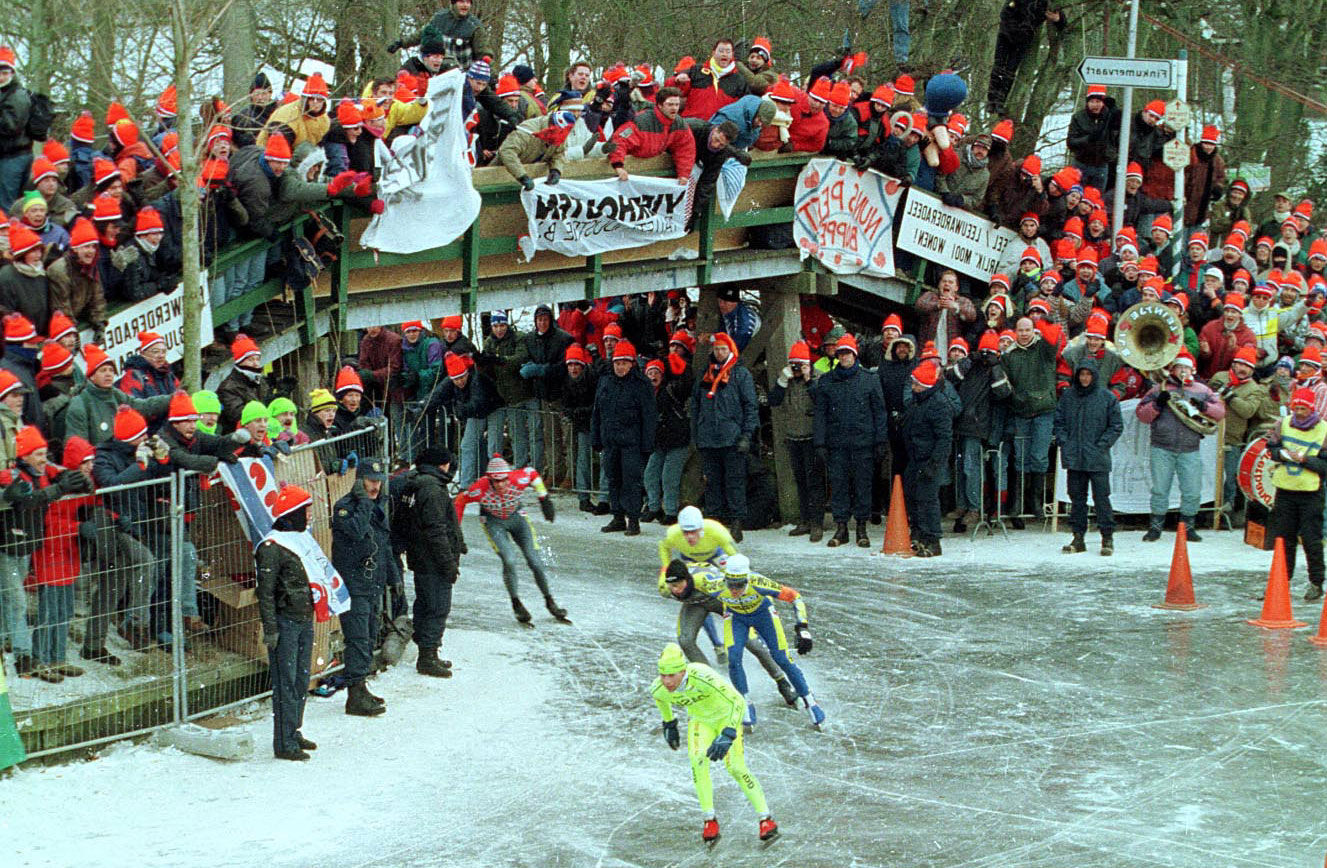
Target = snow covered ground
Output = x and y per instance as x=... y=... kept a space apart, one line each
x=1002 y=705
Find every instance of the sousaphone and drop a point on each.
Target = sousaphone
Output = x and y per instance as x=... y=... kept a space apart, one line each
x=1148 y=337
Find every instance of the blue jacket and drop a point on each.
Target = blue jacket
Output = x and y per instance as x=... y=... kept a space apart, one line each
x=1087 y=422
x=624 y=412
x=850 y=410
x=740 y=325
x=718 y=422
x=362 y=543
x=928 y=429
x=743 y=114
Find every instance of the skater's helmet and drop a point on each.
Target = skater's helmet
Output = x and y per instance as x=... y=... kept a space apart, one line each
x=690 y=518
x=672 y=659
x=735 y=570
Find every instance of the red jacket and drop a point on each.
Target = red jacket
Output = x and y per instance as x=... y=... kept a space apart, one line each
x=1221 y=353
x=704 y=97
x=57 y=561
x=808 y=131
x=649 y=134
x=572 y=321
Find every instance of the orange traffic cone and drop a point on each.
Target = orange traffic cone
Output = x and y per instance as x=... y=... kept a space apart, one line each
x=898 y=541
x=1276 y=613
x=1179 y=591
x=1321 y=639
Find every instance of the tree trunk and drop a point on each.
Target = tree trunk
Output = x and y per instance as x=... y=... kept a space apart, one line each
x=182 y=25
x=557 y=18
x=384 y=63
x=101 y=72
x=238 y=61
x=39 y=37
x=344 y=61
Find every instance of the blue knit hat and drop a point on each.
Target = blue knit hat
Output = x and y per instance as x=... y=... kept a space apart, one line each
x=480 y=70
x=497 y=316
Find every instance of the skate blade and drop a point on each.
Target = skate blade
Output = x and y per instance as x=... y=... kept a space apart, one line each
x=712 y=841
x=770 y=838
x=527 y=624
x=748 y=728
x=563 y=620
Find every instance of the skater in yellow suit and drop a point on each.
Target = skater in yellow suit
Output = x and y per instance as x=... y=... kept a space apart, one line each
x=714 y=732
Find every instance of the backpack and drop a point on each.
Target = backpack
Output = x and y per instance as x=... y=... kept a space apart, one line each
x=40 y=115
x=401 y=513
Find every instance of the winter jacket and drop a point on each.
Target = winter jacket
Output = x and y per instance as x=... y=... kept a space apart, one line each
x=649 y=134
x=524 y=147
x=841 y=142
x=643 y=323
x=1220 y=351
x=1021 y=19
x=239 y=388
x=28 y=294
x=1094 y=139
x=578 y=398
x=704 y=95
x=969 y=180
x=1249 y=407
x=141 y=380
x=55 y=394
x=1012 y=197
x=91 y=413
x=504 y=358
x=421 y=363
x=1012 y=256
x=306 y=128
x=58 y=561
x=718 y=422
x=672 y=421
x=201 y=454
x=255 y=188
x=26 y=496
x=799 y=420
x=1087 y=423
x=295 y=193
x=809 y=129
x=956 y=323
x=625 y=414
x=464 y=36
x=981 y=382
x=849 y=410
x=141 y=274
x=895 y=379
x=344 y=155
x=21 y=361
x=1145 y=141
x=1031 y=372
x=1204 y=183
x=15 y=107
x=548 y=350
x=143 y=509
x=928 y=430
x=248 y=122
x=477 y=400
x=362 y=543
x=1168 y=432
x=282 y=587
x=380 y=367
x=434 y=542
x=77 y=292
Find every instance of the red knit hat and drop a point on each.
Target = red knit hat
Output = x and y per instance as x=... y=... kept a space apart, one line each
x=1303 y=397
x=685 y=338
x=655 y=363
x=1311 y=356
x=624 y=350
x=9 y=381
x=1211 y=136
x=1178 y=299
x=149 y=339
x=290 y=498
x=847 y=342
x=54 y=357
x=55 y=152
x=277 y=150
x=1087 y=255
x=613 y=330
x=799 y=352
x=148 y=220
x=576 y=353
x=990 y=341
x=929 y=351
x=43 y=168
x=347 y=380
x=182 y=408
x=1199 y=238
x=1184 y=358
x=1164 y=222
x=129 y=424
x=894 y=321
x=1241 y=274
x=1098 y=325
x=1031 y=166
x=959 y=344
x=243 y=347
x=1000 y=280
x=926 y=375
x=452 y=322
x=1156 y=107
x=884 y=94
x=315 y=86
x=456 y=366
x=116 y=113
x=1030 y=253
x=1234 y=301
x=1247 y=355
x=28 y=440
x=103 y=171
x=106 y=208
x=1134 y=171
x=166 y=102
x=22 y=239
x=349 y=116
x=841 y=94
x=18 y=329
x=821 y=89
x=1318 y=248
x=77 y=450
x=412 y=324
x=94 y=357
x=507 y=86
x=125 y=132
x=84 y=129
x=1004 y=131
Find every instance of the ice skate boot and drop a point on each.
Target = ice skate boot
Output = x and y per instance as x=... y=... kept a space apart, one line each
x=813 y=709
x=787 y=691
x=769 y=830
x=558 y=613
x=749 y=718
x=709 y=833
x=519 y=610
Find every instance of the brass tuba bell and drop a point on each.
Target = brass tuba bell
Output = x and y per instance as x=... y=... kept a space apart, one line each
x=1148 y=337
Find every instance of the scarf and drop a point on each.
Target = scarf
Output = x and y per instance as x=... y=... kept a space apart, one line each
x=37 y=270
x=718 y=71
x=1308 y=423
x=717 y=374
x=143 y=243
x=555 y=134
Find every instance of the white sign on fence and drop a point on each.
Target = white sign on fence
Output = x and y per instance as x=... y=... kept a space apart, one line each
x=1131 y=468
x=427 y=186
x=582 y=218
x=958 y=239
x=163 y=314
x=1128 y=72
x=844 y=217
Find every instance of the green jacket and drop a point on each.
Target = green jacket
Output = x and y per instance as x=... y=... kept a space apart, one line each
x=1250 y=406
x=421 y=362
x=1031 y=372
x=967 y=180
x=705 y=695
x=9 y=425
x=523 y=146
x=91 y=413
x=294 y=193
x=507 y=357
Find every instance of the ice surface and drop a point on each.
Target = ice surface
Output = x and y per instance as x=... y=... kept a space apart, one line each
x=1004 y=705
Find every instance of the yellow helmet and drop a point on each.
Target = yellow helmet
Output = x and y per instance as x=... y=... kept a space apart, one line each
x=672 y=659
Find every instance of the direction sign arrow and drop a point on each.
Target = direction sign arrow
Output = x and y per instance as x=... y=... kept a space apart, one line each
x=1127 y=72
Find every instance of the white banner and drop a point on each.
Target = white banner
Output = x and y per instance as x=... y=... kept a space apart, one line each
x=582 y=218
x=163 y=314
x=844 y=217
x=426 y=186
x=1131 y=468
x=966 y=242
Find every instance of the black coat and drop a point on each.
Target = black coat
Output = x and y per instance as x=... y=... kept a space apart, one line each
x=143 y=509
x=928 y=429
x=1087 y=423
x=433 y=543
x=1094 y=139
x=894 y=380
x=26 y=496
x=282 y=588
x=719 y=422
x=201 y=454
x=980 y=383
x=234 y=392
x=578 y=397
x=362 y=543
x=477 y=400
x=850 y=410
x=624 y=413
x=549 y=349
x=673 y=425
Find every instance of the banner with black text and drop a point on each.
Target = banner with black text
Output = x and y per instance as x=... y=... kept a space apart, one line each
x=582 y=218
x=951 y=237
x=163 y=314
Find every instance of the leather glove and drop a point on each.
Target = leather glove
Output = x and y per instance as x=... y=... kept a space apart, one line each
x=73 y=482
x=527 y=184
x=822 y=454
x=340 y=183
x=143 y=454
x=553 y=177
x=228 y=458
x=719 y=747
x=953 y=200
x=1163 y=398
x=744 y=443
x=881 y=451
x=363 y=184
x=377 y=206
x=784 y=376
x=803 y=639
x=671 y=735
x=546 y=507
x=160 y=450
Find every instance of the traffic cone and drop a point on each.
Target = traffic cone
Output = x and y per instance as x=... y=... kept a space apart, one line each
x=1321 y=639
x=898 y=541
x=1276 y=613
x=1179 y=590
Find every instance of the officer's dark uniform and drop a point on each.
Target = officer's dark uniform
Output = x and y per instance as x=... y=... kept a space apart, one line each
x=362 y=555
x=285 y=605
x=434 y=546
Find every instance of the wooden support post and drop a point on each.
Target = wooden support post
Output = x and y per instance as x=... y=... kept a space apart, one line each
x=594 y=267
x=781 y=323
x=470 y=268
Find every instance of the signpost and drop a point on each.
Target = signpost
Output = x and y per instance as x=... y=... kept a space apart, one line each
x=1128 y=72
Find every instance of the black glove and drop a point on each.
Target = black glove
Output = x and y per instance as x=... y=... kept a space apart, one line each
x=953 y=200
x=602 y=92
x=72 y=482
x=1163 y=398
x=719 y=747
x=822 y=454
x=881 y=451
x=744 y=443
x=228 y=457
x=546 y=507
x=554 y=175
x=393 y=47
x=1217 y=192
x=610 y=148
x=740 y=156
x=803 y=640
x=526 y=183
x=451 y=571
x=670 y=734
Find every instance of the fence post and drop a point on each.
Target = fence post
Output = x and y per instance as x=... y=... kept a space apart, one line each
x=177 y=584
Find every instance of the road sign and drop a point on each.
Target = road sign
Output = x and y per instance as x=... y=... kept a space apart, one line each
x=1128 y=72
x=1175 y=154
x=1177 y=114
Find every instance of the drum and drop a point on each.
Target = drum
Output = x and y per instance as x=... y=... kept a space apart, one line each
x=1255 y=472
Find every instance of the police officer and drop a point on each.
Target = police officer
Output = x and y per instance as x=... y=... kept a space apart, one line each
x=428 y=525
x=362 y=555
x=285 y=605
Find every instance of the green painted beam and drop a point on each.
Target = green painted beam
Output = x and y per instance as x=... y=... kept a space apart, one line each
x=261 y=294
x=759 y=217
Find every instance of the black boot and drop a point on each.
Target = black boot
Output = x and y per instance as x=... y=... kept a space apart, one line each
x=799 y=530
x=960 y=521
x=1107 y=543
x=650 y=515
x=602 y=508
x=555 y=610
x=1016 y=501
x=1034 y=493
x=815 y=532
x=304 y=743
x=1075 y=546
x=521 y=614
x=430 y=665
x=1191 y=529
x=668 y=520
x=840 y=535
x=1313 y=592
x=1154 y=528
x=24 y=664
x=736 y=531
x=863 y=541
x=586 y=506
x=446 y=664
x=633 y=527
x=787 y=691
x=619 y=523
x=358 y=703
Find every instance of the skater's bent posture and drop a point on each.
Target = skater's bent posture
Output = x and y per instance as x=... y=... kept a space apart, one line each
x=714 y=732
x=697 y=540
x=499 y=495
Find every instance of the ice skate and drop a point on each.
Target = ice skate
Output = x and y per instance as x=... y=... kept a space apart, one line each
x=769 y=830
x=558 y=613
x=710 y=832
x=749 y=718
x=787 y=691
x=518 y=609
x=813 y=709
x=720 y=655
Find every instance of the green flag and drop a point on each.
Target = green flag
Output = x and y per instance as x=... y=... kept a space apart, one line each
x=11 y=746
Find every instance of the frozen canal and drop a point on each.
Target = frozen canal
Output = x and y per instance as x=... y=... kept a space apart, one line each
x=1001 y=706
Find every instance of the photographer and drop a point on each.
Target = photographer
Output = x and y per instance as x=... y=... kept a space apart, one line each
x=795 y=387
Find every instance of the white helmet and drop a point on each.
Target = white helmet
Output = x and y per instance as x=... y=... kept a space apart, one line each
x=690 y=518
x=737 y=566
